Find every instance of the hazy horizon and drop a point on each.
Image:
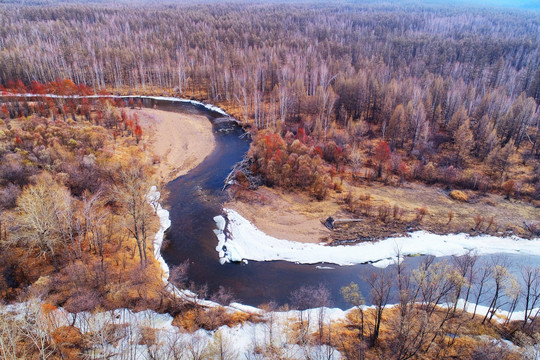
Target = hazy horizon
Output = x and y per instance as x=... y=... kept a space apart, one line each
x=517 y=4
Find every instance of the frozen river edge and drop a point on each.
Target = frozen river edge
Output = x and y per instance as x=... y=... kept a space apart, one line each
x=240 y=240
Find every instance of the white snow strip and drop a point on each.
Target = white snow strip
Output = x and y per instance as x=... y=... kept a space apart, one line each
x=153 y=197
x=384 y=263
x=245 y=308
x=239 y=341
x=167 y=98
x=245 y=241
x=481 y=310
x=324 y=267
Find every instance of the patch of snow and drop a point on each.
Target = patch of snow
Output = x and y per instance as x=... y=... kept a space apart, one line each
x=220 y=222
x=324 y=267
x=167 y=98
x=481 y=310
x=226 y=253
x=245 y=241
x=153 y=197
x=246 y=308
x=384 y=263
x=239 y=341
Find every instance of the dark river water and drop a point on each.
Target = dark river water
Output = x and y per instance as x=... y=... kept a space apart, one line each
x=197 y=197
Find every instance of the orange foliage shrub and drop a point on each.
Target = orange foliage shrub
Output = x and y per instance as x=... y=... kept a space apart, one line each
x=459 y=195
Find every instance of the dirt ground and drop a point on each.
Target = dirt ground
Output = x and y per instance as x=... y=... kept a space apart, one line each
x=179 y=141
x=299 y=217
x=287 y=216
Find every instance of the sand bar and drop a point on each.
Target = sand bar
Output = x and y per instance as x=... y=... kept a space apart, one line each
x=179 y=141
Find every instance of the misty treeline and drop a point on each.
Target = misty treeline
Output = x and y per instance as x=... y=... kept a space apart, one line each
x=447 y=88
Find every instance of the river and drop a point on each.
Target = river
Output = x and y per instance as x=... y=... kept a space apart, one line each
x=197 y=197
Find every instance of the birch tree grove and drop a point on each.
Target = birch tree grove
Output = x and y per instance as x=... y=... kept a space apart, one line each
x=414 y=91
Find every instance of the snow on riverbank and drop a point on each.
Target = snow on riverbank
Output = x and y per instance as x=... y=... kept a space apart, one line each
x=242 y=341
x=241 y=240
x=168 y=341
x=167 y=98
x=153 y=197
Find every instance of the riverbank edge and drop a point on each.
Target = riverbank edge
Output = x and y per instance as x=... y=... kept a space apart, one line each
x=240 y=240
x=163 y=215
x=153 y=198
x=184 y=294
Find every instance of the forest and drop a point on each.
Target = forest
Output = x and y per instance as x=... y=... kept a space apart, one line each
x=453 y=93
x=337 y=97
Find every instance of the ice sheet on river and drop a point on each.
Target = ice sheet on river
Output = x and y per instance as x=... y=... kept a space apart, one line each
x=243 y=241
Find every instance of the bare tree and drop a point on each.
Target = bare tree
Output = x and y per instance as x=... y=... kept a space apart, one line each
x=465 y=265
x=41 y=211
x=307 y=297
x=132 y=193
x=502 y=280
x=484 y=273
x=531 y=291
x=380 y=283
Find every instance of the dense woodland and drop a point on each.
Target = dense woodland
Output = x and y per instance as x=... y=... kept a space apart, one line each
x=454 y=93
x=331 y=93
x=74 y=208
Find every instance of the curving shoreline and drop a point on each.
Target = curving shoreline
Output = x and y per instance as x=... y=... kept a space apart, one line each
x=382 y=260
x=165 y=98
x=226 y=233
x=240 y=240
x=179 y=142
x=154 y=197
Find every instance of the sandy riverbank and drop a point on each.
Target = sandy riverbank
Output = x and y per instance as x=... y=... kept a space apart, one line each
x=179 y=141
x=297 y=217
x=244 y=241
x=284 y=216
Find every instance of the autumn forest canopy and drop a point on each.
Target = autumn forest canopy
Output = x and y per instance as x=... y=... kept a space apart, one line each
x=445 y=88
x=336 y=96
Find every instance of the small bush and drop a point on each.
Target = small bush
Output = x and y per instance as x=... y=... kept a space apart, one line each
x=364 y=197
x=383 y=212
x=351 y=203
x=420 y=213
x=365 y=207
x=478 y=221
x=397 y=212
x=459 y=196
x=509 y=188
x=450 y=217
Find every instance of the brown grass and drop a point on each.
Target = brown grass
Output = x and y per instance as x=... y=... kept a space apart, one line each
x=438 y=213
x=212 y=318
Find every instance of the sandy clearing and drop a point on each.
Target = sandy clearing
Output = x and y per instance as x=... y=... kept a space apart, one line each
x=278 y=217
x=180 y=141
x=297 y=216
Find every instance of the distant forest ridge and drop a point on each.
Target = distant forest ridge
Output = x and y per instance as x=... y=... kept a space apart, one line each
x=444 y=86
x=523 y=4
x=516 y=4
